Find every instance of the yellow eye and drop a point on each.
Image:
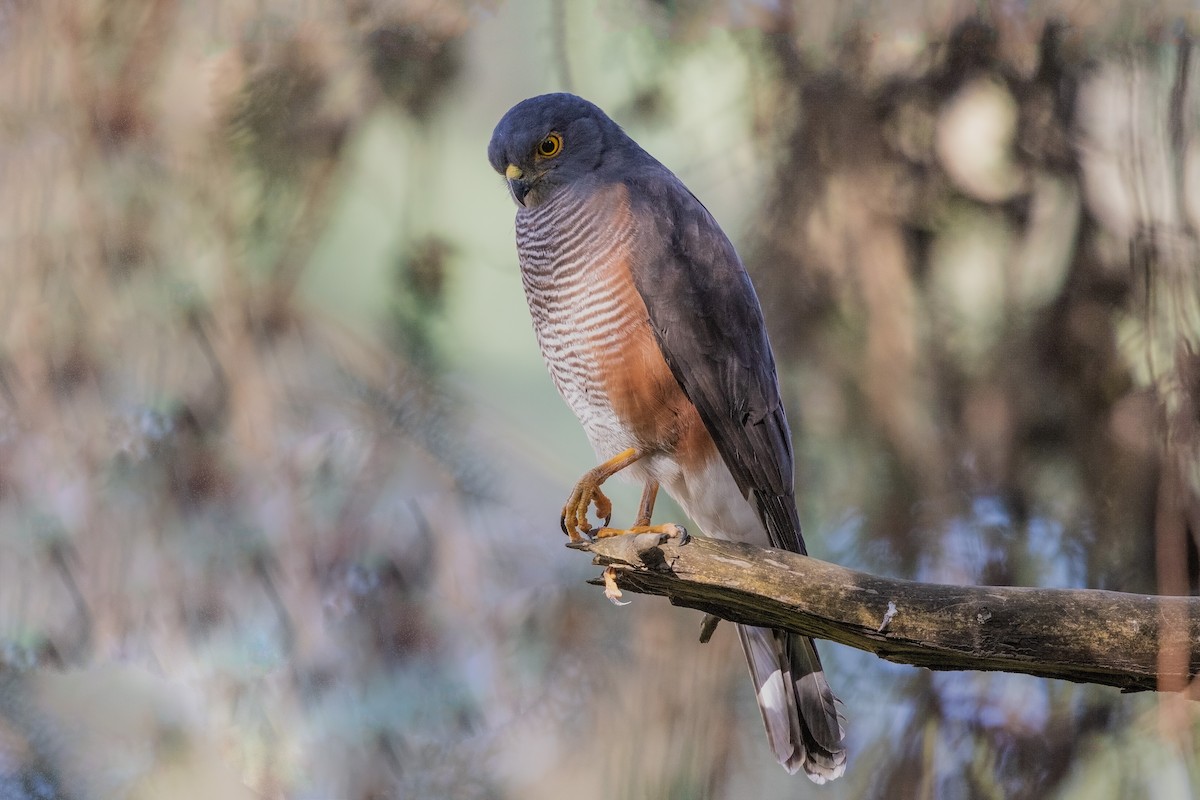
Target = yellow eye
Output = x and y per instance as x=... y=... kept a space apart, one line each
x=550 y=146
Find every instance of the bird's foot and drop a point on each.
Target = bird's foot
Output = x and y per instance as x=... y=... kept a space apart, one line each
x=574 y=519
x=667 y=529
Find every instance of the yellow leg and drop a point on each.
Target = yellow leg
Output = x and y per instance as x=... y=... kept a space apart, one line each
x=642 y=525
x=587 y=492
x=669 y=528
x=646 y=508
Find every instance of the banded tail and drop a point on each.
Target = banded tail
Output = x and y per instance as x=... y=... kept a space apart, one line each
x=798 y=707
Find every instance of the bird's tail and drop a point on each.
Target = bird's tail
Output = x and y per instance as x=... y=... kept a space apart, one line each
x=797 y=705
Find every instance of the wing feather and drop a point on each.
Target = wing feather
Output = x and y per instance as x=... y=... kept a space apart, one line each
x=708 y=322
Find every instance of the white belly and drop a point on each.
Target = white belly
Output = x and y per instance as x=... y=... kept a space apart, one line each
x=712 y=499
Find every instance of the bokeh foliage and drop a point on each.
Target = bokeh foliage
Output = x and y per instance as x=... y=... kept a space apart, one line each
x=279 y=470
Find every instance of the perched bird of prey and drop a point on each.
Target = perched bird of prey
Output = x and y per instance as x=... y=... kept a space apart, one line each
x=654 y=336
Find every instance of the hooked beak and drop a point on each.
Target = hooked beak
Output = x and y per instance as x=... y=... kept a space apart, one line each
x=516 y=183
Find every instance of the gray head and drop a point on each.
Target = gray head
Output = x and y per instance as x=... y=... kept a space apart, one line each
x=554 y=140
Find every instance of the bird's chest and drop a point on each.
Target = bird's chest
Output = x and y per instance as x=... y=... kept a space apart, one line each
x=593 y=327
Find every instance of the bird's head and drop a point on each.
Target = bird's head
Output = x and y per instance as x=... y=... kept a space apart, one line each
x=550 y=141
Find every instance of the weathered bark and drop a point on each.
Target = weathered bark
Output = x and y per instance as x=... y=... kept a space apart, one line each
x=1082 y=635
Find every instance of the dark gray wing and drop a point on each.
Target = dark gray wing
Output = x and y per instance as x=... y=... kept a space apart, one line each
x=710 y=327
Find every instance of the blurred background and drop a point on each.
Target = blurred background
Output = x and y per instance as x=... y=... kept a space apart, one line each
x=280 y=467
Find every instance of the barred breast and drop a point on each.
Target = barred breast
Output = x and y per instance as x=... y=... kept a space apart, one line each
x=576 y=255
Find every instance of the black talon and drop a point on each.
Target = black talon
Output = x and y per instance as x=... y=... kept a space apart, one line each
x=562 y=523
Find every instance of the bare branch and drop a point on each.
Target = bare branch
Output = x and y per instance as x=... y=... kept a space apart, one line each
x=1081 y=635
